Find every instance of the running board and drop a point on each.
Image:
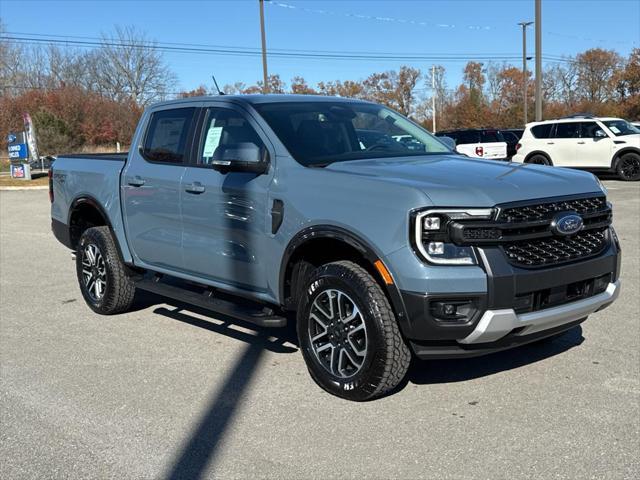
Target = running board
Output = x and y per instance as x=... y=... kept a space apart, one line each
x=204 y=297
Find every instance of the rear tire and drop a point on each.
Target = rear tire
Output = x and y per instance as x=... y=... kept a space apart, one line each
x=103 y=278
x=348 y=333
x=628 y=167
x=539 y=159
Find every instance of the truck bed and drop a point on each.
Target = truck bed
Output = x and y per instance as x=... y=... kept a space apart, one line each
x=94 y=178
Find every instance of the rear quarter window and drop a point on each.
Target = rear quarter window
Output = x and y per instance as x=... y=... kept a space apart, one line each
x=542 y=131
x=491 y=136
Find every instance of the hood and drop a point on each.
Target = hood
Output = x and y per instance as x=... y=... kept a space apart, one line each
x=457 y=181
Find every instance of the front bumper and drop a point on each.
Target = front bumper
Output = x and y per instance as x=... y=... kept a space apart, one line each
x=496 y=324
x=500 y=322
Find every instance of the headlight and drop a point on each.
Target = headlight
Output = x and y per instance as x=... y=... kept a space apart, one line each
x=431 y=238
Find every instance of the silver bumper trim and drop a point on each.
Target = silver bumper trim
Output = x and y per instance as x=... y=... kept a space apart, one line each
x=495 y=324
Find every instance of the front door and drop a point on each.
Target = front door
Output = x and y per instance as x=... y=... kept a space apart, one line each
x=151 y=189
x=595 y=147
x=225 y=215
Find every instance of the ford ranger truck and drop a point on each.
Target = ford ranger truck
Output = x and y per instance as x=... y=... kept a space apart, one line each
x=317 y=210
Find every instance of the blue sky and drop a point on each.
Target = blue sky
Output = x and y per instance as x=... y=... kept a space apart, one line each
x=455 y=27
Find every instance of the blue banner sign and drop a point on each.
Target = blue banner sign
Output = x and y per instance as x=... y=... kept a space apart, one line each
x=17 y=151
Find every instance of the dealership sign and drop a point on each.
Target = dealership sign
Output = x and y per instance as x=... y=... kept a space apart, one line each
x=18 y=151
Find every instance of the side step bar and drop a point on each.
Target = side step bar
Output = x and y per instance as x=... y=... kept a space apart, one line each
x=204 y=297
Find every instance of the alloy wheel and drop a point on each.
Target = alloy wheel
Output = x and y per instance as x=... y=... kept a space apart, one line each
x=338 y=333
x=630 y=167
x=94 y=272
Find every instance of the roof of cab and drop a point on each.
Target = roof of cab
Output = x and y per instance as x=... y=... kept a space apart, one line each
x=260 y=98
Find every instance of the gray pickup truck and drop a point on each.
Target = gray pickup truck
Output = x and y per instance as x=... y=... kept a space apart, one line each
x=274 y=207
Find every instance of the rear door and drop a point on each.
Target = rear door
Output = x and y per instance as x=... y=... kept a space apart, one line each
x=563 y=146
x=225 y=215
x=150 y=188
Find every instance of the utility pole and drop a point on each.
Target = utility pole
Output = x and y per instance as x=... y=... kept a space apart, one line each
x=433 y=97
x=538 y=60
x=265 y=87
x=524 y=26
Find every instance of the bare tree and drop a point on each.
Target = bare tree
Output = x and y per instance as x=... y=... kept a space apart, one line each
x=129 y=66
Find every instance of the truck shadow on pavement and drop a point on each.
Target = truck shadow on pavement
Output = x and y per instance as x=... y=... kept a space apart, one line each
x=424 y=372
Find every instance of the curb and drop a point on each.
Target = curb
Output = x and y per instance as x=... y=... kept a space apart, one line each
x=35 y=187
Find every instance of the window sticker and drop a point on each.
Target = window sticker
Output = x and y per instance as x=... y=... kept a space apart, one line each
x=614 y=129
x=212 y=141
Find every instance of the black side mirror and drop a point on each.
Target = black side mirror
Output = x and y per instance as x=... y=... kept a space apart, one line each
x=241 y=157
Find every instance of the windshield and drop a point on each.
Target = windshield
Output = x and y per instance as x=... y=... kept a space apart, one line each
x=621 y=127
x=320 y=133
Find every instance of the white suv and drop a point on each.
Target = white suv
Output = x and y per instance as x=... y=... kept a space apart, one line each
x=610 y=144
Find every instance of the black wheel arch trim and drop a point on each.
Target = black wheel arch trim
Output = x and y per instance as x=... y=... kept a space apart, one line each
x=89 y=200
x=353 y=240
x=620 y=153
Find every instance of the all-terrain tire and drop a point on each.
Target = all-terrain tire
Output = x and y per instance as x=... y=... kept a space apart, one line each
x=116 y=290
x=387 y=357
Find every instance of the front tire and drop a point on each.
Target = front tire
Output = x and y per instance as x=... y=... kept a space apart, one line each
x=628 y=167
x=104 y=281
x=348 y=333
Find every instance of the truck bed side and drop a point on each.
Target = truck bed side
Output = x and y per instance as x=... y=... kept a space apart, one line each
x=94 y=182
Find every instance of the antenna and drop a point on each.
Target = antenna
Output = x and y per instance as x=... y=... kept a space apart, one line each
x=216 y=84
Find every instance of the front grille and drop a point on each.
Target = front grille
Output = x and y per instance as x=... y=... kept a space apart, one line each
x=555 y=250
x=541 y=211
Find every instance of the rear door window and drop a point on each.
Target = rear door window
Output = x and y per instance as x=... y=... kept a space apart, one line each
x=167 y=135
x=568 y=130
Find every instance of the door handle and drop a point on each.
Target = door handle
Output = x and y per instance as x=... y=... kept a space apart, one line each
x=195 y=187
x=581 y=143
x=550 y=143
x=136 y=181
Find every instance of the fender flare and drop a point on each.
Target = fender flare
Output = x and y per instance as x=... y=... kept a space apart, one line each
x=338 y=233
x=620 y=153
x=85 y=199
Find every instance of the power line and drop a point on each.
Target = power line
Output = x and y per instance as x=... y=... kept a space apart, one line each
x=256 y=52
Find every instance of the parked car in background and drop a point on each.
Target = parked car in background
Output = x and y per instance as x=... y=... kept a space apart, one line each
x=598 y=144
x=277 y=208
x=478 y=142
x=512 y=137
x=636 y=124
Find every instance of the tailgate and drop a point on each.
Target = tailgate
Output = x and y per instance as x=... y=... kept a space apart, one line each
x=491 y=151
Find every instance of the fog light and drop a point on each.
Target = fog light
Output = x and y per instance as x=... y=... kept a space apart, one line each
x=453 y=311
x=431 y=223
x=435 y=248
x=600 y=284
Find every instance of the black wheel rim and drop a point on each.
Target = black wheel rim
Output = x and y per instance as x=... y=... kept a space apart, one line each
x=337 y=333
x=630 y=167
x=94 y=272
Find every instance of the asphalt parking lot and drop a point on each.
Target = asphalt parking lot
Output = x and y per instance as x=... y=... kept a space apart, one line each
x=170 y=392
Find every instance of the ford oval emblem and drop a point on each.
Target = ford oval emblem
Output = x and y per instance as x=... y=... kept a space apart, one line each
x=566 y=224
x=11 y=138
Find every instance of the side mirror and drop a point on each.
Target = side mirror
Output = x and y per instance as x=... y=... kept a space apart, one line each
x=241 y=157
x=449 y=142
x=599 y=133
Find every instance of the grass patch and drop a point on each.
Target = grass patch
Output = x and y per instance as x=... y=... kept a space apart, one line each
x=7 y=181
